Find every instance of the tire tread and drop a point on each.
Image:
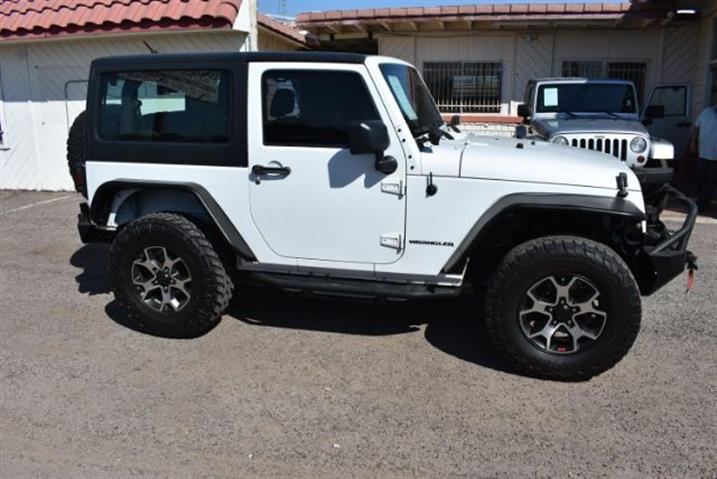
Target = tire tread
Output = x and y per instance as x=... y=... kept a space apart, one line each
x=209 y=312
x=566 y=247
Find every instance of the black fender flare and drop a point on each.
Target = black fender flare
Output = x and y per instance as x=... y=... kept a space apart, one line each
x=105 y=193
x=604 y=205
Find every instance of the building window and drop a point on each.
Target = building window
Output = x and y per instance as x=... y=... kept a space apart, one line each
x=314 y=108
x=633 y=71
x=189 y=106
x=465 y=87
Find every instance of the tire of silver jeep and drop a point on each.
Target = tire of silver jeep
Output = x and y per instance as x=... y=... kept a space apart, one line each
x=563 y=308
x=167 y=277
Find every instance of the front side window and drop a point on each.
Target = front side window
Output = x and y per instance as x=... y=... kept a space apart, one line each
x=465 y=87
x=313 y=108
x=586 y=98
x=672 y=98
x=190 y=106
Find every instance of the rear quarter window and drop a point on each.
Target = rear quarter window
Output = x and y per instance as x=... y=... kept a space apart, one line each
x=191 y=106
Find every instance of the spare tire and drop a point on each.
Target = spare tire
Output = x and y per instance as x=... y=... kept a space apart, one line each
x=76 y=153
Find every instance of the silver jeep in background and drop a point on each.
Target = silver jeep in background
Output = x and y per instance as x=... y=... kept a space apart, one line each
x=601 y=115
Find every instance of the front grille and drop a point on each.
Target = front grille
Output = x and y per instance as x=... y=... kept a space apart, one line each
x=616 y=147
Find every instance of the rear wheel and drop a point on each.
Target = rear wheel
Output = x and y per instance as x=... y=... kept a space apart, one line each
x=76 y=153
x=168 y=277
x=563 y=307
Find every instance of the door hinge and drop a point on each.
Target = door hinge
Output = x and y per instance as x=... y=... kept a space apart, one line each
x=391 y=240
x=393 y=188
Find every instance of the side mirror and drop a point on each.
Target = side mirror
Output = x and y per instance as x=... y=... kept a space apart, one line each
x=455 y=123
x=371 y=136
x=524 y=110
x=654 y=112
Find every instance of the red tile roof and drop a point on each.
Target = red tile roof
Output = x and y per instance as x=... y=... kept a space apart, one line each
x=488 y=12
x=50 y=18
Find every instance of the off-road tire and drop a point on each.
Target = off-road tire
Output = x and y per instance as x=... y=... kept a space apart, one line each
x=530 y=261
x=76 y=154
x=212 y=287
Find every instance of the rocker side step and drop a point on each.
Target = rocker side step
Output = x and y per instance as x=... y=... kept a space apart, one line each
x=355 y=288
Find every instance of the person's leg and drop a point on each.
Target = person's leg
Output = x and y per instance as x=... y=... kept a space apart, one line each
x=711 y=186
x=706 y=182
x=701 y=180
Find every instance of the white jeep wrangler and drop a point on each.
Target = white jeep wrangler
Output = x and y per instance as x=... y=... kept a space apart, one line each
x=333 y=174
x=600 y=115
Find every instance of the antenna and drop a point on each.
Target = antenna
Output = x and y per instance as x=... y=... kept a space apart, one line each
x=282 y=8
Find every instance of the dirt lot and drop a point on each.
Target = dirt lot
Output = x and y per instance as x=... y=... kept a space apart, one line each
x=304 y=388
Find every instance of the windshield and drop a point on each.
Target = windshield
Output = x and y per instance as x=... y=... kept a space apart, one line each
x=586 y=98
x=413 y=97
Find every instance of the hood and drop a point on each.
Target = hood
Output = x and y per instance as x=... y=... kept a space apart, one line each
x=588 y=124
x=541 y=162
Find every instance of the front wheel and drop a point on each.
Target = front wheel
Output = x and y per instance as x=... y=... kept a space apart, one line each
x=563 y=307
x=167 y=276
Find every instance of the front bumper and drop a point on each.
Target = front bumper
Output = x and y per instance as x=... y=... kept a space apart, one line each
x=668 y=256
x=89 y=232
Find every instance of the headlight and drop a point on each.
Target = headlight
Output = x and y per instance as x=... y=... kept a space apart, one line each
x=560 y=140
x=638 y=145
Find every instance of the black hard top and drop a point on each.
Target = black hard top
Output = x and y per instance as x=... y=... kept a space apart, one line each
x=239 y=57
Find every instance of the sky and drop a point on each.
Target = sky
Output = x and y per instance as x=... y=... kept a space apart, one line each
x=292 y=7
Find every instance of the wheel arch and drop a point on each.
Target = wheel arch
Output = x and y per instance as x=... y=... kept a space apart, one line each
x=544 y=210
x=131 y=199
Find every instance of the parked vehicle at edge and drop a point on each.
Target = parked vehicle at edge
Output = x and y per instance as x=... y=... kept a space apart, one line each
x=602 y=115
x=206 y=171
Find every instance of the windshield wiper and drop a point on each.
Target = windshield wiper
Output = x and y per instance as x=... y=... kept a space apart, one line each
x=614 y=115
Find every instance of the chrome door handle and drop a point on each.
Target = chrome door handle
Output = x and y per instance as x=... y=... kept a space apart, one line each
x=260 y=170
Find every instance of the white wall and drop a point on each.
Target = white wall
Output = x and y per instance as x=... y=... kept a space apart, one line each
x=43 y=89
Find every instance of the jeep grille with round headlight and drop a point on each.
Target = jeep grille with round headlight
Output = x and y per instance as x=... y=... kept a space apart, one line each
x=617 y=145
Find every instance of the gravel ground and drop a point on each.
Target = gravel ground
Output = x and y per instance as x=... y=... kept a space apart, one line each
x=305 y=388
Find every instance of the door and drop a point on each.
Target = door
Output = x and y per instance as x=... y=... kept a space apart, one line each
x=317 y=201
x=675 y=125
